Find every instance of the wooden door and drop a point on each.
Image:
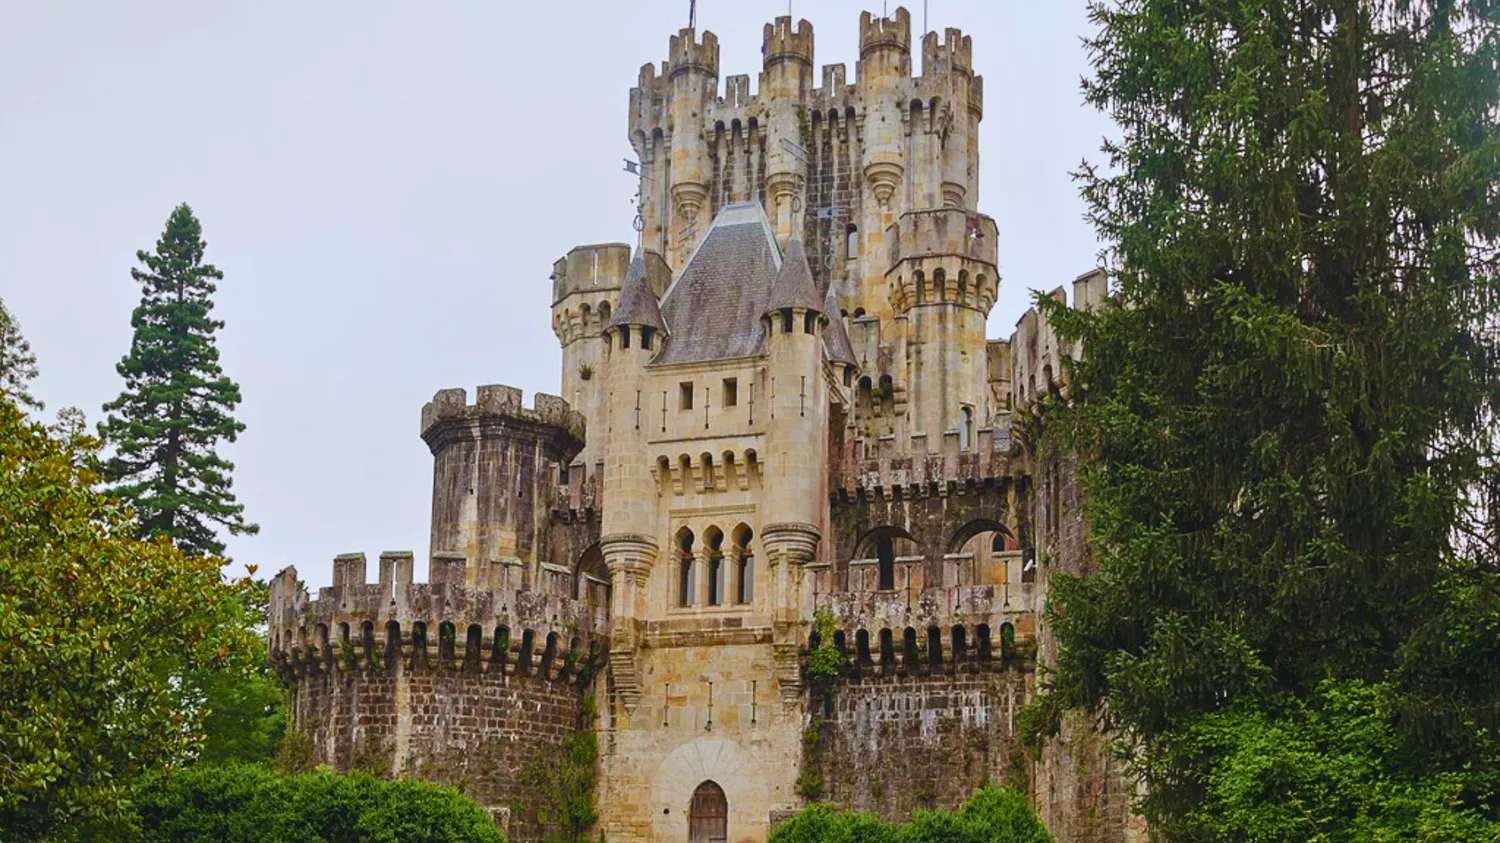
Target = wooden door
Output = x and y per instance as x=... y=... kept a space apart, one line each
x=708 y=816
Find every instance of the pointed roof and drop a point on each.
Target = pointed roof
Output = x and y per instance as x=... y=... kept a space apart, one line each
x=836 y=345
x=714 y=308
x=794 y=285
x=638 y=304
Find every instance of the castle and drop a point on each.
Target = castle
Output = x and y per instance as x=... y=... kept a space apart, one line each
x=780 y=405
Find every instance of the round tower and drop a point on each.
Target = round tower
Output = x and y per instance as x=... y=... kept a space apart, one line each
x=693 y=80
x=585 y=291
x=784 y=83
x=632 y=338
x=883 y=76
x=944 y=282
x=496 y=465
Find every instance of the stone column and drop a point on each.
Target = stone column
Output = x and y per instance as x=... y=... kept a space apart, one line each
x=790 y=547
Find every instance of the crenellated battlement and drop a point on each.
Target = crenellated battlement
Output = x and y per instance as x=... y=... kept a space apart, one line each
x=922 y=465
x=954 y=55
x=782 y=44
x=1038 y=354
x=892 y=33
x=687 y=54
x=495 y=405
x=943 y=256
x=494 y=613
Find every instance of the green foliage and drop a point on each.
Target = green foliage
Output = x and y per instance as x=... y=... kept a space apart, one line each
x=824 y=664
x=993 y=816
x=251 y=804
x=90 y=617
x=244 y=712
x=1289 y=418
x=809 y=782
x=564 y=778
x=177 y=404
x=17 y=362
x=1326 y=770
x=296 y=753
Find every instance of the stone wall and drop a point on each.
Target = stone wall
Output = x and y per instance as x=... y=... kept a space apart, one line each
x=476 y=732
x=895 y=744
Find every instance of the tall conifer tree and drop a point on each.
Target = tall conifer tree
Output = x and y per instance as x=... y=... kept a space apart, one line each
x=165 y=428
x=1288 y=420
x=17 y=362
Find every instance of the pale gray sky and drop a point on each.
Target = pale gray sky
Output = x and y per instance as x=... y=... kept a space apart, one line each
x=386 y=185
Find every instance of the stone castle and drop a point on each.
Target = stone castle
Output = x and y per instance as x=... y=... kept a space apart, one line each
x=781 y=404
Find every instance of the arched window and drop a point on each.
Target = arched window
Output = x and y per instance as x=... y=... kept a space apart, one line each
x=851 y=242
x=685 y=567
x=716 y=588
x=965 y=428
x=859 y=313
x=885 y=552
x=744 y=580
x=708 y=815
x=921 y=286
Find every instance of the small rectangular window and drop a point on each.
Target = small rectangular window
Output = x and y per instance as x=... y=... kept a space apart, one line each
x=786 y=320
x=624 y=336
x=731 y=392
x=646 y=338
x=685 y=396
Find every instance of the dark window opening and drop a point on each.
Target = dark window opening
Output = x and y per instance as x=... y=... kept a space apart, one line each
x=786 y=320
x=731 y=392
x=851 y=242
x=685 y=396
x=886 y=552
x=646 y=338
x=624 y=336
x=809 y=319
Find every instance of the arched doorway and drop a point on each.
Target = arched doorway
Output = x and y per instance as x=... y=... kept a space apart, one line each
x=708 y=816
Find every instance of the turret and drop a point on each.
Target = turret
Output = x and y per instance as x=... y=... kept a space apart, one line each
x=693 y=77
x=585 y=287
x=495 y=467
x=633 y=337
x=943 y=279
x=787 y=78
x=884 y=77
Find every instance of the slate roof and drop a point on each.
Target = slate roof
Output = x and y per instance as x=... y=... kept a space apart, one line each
x=794 y=286
x=713 y=310
x=836 y=345
x=637 y=303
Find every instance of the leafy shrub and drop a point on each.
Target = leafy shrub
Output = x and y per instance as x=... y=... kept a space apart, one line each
x=252 y=804
x=994 y=815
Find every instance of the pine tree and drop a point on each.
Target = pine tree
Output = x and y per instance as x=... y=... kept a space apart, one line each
x=176 y=407
x=17 y=362
x=1288 y=418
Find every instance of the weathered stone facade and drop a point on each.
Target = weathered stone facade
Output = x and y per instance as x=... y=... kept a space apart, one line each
x=783 y=403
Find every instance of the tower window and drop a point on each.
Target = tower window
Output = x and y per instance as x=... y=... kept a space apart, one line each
x=786 y=320
x=965 y=428
x=885 y=551
x=851 y=245
x=808 y=320
x=624 y=336
x=685 y=395
x=646 y=338
x=731 y=392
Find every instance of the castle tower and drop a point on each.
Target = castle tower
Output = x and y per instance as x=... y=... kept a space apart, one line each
x=632 y=338
x=785 y=82
x=692 y=73
x=883 y=75
x=495 y=465
x=797 y=437
x=585 y=290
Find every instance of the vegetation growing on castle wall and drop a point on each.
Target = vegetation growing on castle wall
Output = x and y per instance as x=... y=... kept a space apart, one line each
x=564 y=779
x=251 y=804
x=95 y=623
x=824 y=668
x=992 y=816
x=1291 y=419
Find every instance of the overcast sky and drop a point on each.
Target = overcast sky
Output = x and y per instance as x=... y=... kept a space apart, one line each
x=386 y=184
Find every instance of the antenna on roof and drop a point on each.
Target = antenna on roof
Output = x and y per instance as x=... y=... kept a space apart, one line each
x=692 y=14
x=925 y=28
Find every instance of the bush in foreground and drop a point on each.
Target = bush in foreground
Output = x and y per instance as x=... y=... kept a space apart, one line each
x=248 y=804
x=993 y=816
